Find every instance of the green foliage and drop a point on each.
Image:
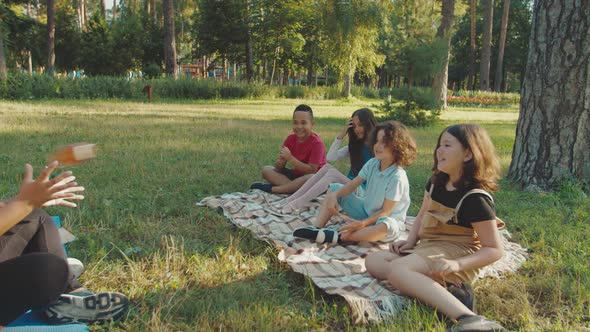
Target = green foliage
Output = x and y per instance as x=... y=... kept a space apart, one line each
x=482 y=98
x=152 y=70
x=414 y=107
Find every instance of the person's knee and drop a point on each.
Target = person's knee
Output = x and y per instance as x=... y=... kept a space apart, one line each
x=373 y=262
x=267 y=170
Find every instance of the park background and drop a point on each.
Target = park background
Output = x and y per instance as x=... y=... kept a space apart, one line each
x=226 y=76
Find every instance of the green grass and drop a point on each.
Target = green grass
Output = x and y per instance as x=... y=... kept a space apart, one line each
x=186 y=268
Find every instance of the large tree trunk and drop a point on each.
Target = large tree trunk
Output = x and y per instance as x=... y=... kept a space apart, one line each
x=500 y=62
x=50 y=37
x=471 y=79
x=169 y=39
x=444 y=32
x=553 y=131
x=486 y=50
x=3 y=72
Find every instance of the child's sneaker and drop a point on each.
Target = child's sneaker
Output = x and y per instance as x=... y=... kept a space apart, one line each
x=319 y=235
x=76 y=267
x=465 y=294
x=475 y=323
x=93 y=308
x=266 y=187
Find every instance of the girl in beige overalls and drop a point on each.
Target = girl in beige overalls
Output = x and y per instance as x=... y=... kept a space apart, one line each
x=448 y=245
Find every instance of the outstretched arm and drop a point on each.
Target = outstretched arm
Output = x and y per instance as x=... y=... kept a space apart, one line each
x=36 y=193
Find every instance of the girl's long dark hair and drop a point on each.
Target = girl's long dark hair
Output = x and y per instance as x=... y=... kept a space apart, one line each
x=356 y=145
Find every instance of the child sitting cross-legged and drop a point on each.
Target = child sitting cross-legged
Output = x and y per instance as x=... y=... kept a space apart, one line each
x=378 y=215
x=303 y=150
x=455 y=233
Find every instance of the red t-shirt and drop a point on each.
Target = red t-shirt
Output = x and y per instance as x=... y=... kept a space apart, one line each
x=311 y=151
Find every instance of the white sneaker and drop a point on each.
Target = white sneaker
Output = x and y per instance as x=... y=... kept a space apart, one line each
x=76 y=267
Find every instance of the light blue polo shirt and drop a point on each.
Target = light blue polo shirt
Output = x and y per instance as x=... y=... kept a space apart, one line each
x=391 y=183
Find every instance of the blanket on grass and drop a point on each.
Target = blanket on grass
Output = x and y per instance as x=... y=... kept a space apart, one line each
x=337 y=269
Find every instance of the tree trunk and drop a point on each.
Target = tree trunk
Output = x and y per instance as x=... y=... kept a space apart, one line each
x=3 y=71
x=486 y=50
x=154 y=12
x=553 y=131
x=50 y=37
x=348 y=79
x=103 y=9
x=444 y=32
x=249 y=54
x=29 y=55
x=115 y=10
x=471 y=79
x=500 y=62
x=169 y=38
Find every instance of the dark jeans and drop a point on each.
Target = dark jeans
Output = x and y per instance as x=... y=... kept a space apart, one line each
x=33 y=266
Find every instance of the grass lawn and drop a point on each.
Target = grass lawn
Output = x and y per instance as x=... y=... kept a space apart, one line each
x=186 y=268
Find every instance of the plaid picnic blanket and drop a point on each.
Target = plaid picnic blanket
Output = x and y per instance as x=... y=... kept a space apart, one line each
x=337 y=269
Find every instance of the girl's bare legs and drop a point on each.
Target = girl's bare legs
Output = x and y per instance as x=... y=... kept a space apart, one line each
x=409 y=274
x=323 y=215
x=315 y=186
x=369 y=233
x=292 y=185
x=309 y=183
x=377 y=263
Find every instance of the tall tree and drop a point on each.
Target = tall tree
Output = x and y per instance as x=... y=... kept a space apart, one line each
x=471 y=79
x=51 y=37
x=2 y=56
x=486 y=49
x=169 y=38
x=553 y=131
x=501 y=46
x=444 y=34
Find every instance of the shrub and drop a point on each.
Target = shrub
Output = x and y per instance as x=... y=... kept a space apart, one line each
x=414 y=107
x=481 y=98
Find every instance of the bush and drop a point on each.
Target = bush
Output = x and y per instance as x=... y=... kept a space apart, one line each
x=414 y=107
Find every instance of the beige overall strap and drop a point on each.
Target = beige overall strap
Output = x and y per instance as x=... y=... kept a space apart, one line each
x=472 y=191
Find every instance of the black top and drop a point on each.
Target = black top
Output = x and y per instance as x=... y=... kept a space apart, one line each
x=475 y=208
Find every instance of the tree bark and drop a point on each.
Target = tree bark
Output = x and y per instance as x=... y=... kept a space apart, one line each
x=444 y=32
x=29 y=55
x=500 y=62
x=3 y=71
x=486 y=50
x=553 y=131
x=103 y=9
x=115 y=10
x=471 y=79
x=169 y=38
x=50 y=37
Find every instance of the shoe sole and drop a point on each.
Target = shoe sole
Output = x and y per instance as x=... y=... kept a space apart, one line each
x=96 y=308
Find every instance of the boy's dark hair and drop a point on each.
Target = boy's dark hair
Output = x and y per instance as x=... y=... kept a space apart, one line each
x=356 y=145
x=304 y=108
x=397 y=138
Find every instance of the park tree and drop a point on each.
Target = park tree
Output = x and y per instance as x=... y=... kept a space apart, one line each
x=486 y=49
x=501 y=46
x=169 y=38
x=3 y=71
x=439 y=84
x=353 y=29
x=472 y=30
x=553 y=131
x=51 y=37
x=68 y=38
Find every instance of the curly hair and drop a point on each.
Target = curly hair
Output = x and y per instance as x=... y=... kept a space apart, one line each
x=397 y=138
x=356 y=145
x=483 y=170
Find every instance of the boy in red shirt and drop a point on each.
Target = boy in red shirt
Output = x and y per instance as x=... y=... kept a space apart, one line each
x=303 y=149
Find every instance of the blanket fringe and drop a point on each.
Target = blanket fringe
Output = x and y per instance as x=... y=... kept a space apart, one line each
x=365 y=310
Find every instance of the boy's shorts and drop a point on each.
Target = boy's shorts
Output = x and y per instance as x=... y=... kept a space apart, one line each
x=352 y=205
x=289 y=173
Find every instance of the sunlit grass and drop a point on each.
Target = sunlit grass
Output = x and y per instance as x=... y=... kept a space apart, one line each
x=186 y=268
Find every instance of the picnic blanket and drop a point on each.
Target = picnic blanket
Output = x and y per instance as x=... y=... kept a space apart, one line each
x=337 y=269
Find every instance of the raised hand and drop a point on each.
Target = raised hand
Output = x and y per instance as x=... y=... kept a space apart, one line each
x=347 y=126
x=43 y=190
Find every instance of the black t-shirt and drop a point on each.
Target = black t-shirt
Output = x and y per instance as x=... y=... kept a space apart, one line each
x=475 y=208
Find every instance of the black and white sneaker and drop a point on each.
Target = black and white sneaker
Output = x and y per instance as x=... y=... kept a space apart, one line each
x=88 y=309
x=319 y=235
